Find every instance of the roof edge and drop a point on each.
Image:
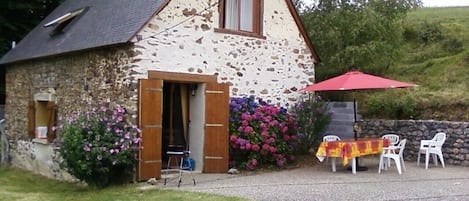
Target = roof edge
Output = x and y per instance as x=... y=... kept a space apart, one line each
x=149 y=18
x=300 y=25
x=62 y=54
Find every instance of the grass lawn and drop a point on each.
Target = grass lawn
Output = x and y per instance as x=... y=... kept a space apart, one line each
x=21 y=185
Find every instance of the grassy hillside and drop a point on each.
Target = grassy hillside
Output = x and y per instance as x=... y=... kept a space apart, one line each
x=436 y=57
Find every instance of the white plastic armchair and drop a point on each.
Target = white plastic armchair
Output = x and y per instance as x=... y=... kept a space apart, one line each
x=432 y=147
x=398 y=158
x=331 y=138
x=393 y=141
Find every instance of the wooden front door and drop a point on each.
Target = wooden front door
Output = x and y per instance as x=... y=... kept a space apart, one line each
x=216 y=128
x=150 y=113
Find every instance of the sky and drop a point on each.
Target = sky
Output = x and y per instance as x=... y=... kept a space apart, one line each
x=437 y=3
x=445 y=3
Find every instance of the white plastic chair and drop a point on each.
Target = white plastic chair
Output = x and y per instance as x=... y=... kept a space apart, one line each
x=432 y=147
x=331 y=138
x=394 y=140
x=398 y=158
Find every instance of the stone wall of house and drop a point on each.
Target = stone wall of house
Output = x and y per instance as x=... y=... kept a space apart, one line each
x=182 y=38
x=2 y=111
x=455 y=148
x=77 y=80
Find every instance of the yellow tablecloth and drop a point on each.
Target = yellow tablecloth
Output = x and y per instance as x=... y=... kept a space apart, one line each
x=348 y=149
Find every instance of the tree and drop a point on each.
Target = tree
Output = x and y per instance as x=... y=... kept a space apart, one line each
x=19 y=17
x=16 y=20
x=364 y=34
x=300 y=5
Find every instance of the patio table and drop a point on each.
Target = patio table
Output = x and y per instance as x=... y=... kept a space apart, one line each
x=351 y=149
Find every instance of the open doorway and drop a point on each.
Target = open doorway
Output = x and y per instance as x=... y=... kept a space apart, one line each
x=203 y=121
x=176 y=117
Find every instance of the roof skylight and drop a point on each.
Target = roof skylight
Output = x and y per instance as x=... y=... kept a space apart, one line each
x=62 y=21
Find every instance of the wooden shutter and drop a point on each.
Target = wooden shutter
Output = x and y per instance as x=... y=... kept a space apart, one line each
x=31 y=119
x=150 y=113
x=216 y=128
x=51 y=121
x=257 y=16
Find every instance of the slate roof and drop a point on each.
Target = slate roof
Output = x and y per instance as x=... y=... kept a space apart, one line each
x=106 y=22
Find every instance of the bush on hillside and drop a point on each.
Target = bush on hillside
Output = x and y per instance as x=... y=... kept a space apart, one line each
x=453 y=45
x=402 y=107
x=429 y=32
x=410 y=33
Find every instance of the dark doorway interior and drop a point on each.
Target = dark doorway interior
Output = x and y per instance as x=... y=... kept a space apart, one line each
x=175 y=117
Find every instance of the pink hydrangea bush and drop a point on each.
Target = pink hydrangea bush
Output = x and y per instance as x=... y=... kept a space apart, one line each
x=100 y=146
x=261 y=135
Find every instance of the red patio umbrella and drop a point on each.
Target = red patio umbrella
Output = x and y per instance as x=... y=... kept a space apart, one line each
x=356 y=80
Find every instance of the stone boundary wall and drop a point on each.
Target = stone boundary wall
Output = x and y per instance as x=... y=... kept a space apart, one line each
x=455 y=148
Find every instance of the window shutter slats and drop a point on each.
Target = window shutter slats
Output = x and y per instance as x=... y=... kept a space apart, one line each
x=51 y=121
x=31 y=119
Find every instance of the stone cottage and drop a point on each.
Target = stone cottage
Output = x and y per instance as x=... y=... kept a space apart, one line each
x=173 y=64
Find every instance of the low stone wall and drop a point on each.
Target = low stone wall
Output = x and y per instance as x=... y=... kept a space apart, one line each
x=455 y=148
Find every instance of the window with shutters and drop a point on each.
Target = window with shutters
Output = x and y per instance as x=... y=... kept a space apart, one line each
x=41 y=117
x=243 y=17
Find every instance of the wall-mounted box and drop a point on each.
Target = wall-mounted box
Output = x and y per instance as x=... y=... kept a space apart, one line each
x=41 y=132
x=44 y=97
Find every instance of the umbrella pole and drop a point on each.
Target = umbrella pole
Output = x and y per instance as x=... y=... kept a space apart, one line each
x=357 y=159
x=354 y=118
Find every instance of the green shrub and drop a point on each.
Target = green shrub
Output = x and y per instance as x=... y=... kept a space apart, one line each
x=312 y=117
x=387 y=107
x=423 y=32
x=410 y=33
x=99 y=147
x=375 y=107
x=430 y=32
x=408 y=108
x=453 y=45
